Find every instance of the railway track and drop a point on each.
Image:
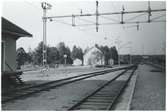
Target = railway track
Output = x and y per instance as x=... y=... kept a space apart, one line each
x=27 y=91
x=104 y=97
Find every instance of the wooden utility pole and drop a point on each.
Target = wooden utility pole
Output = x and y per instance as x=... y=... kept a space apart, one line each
x=97 y=16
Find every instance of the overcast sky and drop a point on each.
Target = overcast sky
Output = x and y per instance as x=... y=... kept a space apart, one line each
x=28 y=15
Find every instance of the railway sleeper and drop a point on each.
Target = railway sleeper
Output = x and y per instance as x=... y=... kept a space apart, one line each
x=99 y=100
x=90 y=107
x=108 y=98
x=96 y=103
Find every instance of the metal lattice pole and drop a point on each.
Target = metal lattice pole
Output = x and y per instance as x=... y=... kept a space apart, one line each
x=45 y=7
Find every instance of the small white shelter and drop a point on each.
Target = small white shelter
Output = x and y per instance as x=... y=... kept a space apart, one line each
x=77 y=62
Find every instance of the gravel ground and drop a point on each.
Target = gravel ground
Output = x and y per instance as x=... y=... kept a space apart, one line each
x=36 y=77
x=57 y=73
x=124 y=101
x=150 y=90
x=59 y=98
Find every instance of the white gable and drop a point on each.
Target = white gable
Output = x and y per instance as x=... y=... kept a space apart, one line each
x=93 y=57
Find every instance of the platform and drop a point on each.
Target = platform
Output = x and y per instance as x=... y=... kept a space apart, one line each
x=149 y=92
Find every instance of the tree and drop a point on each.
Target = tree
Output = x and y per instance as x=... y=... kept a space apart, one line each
x=106 y=53
x=68 y=53
x=38 y=54
x=74 y=52
x=109 y=53
x=77 y=53
x=52 y=55
x=114 y=54
x=21 y=57
x=30 y=56
x=63 y=50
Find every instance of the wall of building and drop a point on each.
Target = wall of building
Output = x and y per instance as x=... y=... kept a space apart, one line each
x=93 y=57
x=10 y=51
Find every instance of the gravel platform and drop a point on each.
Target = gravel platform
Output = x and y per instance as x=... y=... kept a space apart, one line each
x=150 y=90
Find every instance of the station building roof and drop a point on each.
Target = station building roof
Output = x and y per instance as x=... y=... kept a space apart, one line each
x=13 y=29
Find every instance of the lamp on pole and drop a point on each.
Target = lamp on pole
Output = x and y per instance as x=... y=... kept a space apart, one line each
x=65 y=59
x=130 y=61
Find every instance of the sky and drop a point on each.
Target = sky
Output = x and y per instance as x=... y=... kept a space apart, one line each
x=149 y=39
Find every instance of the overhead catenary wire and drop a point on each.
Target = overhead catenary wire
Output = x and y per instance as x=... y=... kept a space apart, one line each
x=86 y=20
x=76 y=28
x=158 y=17
x=108 y=23
x=97 y=14
x=109 y=18
x=132 y=18
x=65 y=23
x=61 y=21
x=114 y=23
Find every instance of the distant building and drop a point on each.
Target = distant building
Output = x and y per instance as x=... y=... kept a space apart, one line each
x=125 y=59
x=94 y=56
x=10 y=34
x=77 y=62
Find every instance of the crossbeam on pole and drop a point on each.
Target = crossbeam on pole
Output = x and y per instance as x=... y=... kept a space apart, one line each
x=108 y=13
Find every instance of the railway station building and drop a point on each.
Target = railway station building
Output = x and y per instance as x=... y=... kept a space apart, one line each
x=10 y=34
